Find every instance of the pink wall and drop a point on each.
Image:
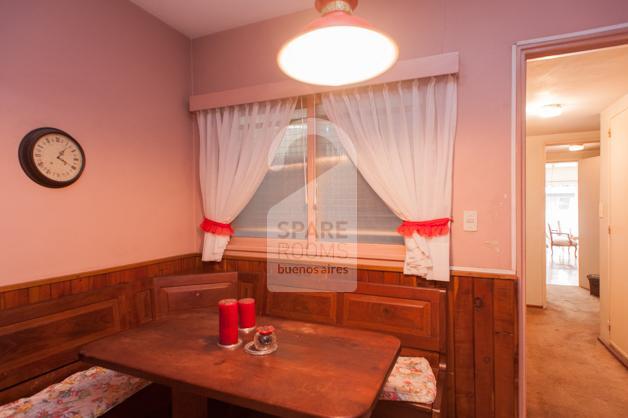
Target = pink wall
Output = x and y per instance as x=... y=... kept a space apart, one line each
x=483 y=32
x=118 y=81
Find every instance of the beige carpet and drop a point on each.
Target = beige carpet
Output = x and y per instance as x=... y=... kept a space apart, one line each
x=569 y=373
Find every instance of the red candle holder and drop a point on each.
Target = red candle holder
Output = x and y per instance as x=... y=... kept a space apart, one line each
x=246 y=310
x=228 y=324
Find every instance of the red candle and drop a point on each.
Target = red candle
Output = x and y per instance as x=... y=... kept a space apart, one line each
x=228 y=321
x=246 y=308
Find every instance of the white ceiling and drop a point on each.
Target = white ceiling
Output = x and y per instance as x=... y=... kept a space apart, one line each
x=583 y=83
x=195 y=18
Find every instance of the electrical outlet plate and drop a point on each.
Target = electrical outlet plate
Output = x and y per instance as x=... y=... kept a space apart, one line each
x=470 y=220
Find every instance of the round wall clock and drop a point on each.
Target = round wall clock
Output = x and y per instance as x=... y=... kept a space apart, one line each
x=51 y=157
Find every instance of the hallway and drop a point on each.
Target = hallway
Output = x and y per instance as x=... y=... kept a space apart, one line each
x=570 y=374
x=561 y=268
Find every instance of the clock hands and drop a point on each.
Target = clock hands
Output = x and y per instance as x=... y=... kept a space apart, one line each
x=61 y=159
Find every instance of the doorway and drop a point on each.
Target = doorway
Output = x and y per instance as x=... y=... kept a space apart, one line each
x=561 y=217
x=573 y=362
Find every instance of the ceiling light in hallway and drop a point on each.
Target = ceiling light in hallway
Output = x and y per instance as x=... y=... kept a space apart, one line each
x=574 y=148
x=550 y=110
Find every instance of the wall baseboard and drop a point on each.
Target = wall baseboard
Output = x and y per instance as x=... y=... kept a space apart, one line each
x=615 y=352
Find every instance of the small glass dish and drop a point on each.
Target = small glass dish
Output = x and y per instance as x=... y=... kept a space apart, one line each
x=265 y=339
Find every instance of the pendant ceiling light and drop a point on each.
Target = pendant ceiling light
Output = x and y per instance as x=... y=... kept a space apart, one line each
x=337 y=48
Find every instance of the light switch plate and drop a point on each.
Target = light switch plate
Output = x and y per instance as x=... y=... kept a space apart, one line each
x=470 y=220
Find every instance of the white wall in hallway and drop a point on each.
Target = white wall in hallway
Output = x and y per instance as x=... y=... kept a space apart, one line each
x=588 y=218
x=535 y=222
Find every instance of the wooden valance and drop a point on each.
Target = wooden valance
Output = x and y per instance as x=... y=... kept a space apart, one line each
x=404 y=70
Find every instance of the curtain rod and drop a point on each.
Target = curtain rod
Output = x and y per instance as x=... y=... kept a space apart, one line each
x=431 y=66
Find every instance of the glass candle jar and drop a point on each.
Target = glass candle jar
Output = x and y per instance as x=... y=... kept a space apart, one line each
x=265 y=338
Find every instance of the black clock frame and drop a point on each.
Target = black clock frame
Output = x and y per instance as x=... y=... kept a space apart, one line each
x=25 y=155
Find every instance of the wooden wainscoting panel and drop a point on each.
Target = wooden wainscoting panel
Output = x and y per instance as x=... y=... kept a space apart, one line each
x=483 y=312
x=464 y=360
x=38 y=294
x=506 y=359
x=303 y=306
x=15 y=298
x=151 y=268
x=60 y=289
x=483 y=335
x=450 y=351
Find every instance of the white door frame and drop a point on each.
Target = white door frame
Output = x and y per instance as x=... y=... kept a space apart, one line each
x=521 y=52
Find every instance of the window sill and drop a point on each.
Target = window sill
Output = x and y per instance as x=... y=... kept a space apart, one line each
x=363 y=256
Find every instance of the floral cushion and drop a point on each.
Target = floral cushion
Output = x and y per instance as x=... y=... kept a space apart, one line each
x=85 y=394
x=412 y=380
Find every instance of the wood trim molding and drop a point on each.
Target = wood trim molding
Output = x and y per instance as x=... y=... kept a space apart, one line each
x=483 y=275
x=50 y=280
x=361 y=264
x=430 y=66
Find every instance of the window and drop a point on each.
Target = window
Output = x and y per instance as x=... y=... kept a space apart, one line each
x=343 y=194
x=313 y=191
x=284 y=183
x=561 y=196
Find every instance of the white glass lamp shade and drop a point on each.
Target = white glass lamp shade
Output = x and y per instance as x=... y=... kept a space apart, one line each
x=337 y=49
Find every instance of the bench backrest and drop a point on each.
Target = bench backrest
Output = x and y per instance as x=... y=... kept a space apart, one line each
x=192 y=291
x=41 y=341
x=417 y=316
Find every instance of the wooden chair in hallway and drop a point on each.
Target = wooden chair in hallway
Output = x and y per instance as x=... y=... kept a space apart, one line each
x=562 y=239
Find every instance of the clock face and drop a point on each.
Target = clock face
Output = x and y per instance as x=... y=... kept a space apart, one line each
x=51 y=157
x=57 y=157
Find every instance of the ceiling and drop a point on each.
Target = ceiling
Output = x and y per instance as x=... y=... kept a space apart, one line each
x=195 y=18
x=584 y=83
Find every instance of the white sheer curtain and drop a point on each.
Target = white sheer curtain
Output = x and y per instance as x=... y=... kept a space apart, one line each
x=237 y=144
x=401 y=138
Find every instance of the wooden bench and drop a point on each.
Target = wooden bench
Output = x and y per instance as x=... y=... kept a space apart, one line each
x=88 y=393
x=39 y=345
x=417 y=316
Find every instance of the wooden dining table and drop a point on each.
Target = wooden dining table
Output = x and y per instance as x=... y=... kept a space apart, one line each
x=317 y=371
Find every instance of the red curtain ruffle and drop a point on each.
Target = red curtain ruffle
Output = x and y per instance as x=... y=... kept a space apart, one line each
x=431 y=228
x=216 y=228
